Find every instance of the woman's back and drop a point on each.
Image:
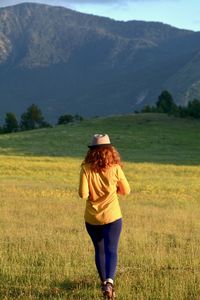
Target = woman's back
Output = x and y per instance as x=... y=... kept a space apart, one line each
x=101 y=189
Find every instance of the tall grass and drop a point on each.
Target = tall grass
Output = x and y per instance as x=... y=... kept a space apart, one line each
x=45 y=252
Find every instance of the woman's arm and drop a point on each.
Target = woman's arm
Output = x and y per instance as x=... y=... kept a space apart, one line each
x=83 y=185
x=123 y=186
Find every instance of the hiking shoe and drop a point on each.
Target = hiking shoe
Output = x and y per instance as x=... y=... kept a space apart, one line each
x=108 y=291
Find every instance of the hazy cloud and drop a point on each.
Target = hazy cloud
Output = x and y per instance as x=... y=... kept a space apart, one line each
x=109 y=1
x=77 y=3
x=66 y=3
x=74 y=2
x=112 y=1
x=58 y=2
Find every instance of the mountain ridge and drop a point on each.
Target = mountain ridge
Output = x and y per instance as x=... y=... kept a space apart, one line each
x=46 y=52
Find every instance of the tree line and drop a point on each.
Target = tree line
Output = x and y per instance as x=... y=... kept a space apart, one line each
x=33 y=118
x=166 y=104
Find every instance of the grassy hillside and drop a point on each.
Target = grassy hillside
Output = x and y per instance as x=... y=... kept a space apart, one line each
x=45 y=250
x=139 y=138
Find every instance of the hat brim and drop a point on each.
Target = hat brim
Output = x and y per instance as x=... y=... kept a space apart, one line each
x=99 y=146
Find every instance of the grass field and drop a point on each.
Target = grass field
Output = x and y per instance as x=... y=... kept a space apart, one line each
x=45 y=252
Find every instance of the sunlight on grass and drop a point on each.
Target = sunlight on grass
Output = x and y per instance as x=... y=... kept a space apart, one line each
x=47 y=254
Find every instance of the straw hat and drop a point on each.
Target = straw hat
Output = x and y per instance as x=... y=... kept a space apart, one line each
x=100 y=140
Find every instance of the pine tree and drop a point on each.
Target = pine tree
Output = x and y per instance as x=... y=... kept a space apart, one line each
x=32 y=118
x=165 y=103
x=11 y=123
x=193 y=108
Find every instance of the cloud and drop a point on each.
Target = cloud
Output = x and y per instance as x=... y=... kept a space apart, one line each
x=58 y=2
x=74 y=2
x=112 y=1
x=66 y=3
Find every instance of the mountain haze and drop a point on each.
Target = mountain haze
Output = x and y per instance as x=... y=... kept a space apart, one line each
x=70 y=62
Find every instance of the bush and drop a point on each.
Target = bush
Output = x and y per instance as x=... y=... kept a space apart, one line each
x=78 y=118
x=65 y=119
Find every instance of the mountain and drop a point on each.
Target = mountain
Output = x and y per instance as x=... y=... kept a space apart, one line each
x=70 y=62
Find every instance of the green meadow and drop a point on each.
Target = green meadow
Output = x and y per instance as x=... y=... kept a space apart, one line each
x=45 y=252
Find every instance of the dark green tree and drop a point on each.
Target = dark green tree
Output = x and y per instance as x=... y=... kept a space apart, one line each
x=78 y=118
x=165 y=103
x=146 y=109
x=65 y=119
x=32 y=118
x=182 y=112
x=11 y=123
x=193 y=109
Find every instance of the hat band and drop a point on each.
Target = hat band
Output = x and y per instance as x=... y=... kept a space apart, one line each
x=99 y=145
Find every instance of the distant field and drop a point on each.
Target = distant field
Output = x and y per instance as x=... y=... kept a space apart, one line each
x=45 y=252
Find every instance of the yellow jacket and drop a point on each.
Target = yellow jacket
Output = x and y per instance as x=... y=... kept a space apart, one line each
x=100 y=190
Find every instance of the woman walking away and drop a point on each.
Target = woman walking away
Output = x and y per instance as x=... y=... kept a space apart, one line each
x=101 y=179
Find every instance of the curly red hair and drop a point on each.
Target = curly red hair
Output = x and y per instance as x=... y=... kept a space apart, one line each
x=101 y=158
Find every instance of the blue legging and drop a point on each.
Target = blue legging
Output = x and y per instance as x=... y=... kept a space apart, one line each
x=105 y=239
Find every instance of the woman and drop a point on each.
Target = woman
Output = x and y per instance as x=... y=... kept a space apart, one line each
x=101 y=179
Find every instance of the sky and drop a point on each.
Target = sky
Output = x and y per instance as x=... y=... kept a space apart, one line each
x=179 y=13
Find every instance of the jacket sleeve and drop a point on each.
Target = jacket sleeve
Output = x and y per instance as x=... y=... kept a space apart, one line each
x=83 y=185
x=123 y=187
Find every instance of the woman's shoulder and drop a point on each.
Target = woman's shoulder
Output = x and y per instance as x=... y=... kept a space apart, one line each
x=85 y=167
x=117 y=170
x=114 y=168
x=117 y=166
